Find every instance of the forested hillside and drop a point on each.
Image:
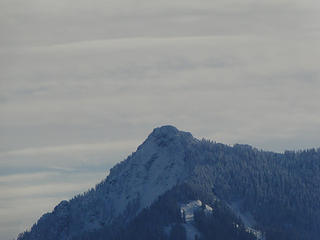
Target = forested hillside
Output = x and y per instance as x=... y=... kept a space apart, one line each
x=281 y=191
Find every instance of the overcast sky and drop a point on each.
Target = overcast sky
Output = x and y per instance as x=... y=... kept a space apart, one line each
x=84 y=82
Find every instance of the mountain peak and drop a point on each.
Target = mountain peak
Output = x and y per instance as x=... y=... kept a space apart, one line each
x=168 y=132
x=165 y=130
x=171 y=169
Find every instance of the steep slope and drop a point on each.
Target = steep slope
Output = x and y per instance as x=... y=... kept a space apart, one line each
x=277 y=194
x=157 y=166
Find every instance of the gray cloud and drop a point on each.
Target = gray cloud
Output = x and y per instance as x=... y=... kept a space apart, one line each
x=82 y=84
x=46 y=22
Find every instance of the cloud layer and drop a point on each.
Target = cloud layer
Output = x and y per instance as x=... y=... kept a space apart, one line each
x=83 y=83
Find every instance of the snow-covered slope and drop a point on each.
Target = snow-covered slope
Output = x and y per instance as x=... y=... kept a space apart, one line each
x=158 y=165
x=172 y=167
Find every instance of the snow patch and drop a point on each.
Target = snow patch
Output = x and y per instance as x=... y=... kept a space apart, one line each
x=187 y=210
x=187 y=214
x=247 y=219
